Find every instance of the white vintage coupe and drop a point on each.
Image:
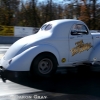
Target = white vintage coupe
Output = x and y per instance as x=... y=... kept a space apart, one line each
x=58 y=43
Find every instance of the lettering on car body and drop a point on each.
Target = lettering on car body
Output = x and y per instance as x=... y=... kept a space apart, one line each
x=80 y=47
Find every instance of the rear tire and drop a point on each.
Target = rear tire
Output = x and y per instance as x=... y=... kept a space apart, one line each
x=44 y=65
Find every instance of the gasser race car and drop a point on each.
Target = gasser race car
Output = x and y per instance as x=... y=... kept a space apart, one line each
x=58 y=43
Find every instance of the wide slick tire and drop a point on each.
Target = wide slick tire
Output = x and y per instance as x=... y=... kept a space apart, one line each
x=44 y=65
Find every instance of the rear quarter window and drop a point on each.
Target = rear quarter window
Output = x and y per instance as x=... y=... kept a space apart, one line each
x=46 y=27
x=43 y=27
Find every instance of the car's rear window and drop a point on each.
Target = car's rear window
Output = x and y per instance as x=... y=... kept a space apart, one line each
x=43 y=27
x=46 y=27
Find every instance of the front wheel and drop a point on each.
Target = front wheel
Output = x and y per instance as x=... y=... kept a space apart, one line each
x=44 y=65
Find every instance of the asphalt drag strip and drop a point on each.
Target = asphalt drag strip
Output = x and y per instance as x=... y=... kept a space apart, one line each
x=48 y=96
x=62 y=86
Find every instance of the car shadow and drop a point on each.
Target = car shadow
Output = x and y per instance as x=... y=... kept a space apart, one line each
x=69 y=83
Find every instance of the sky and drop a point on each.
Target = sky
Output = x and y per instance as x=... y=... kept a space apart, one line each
x=57 y=1
x=53 y=0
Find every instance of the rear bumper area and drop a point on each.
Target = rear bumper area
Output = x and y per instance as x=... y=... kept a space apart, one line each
x=12 y=74
x=2 y=71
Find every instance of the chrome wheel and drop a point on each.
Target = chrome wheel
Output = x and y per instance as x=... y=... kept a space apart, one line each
x=45 y=66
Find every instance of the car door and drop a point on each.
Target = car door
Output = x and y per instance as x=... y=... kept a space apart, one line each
x=80 y=43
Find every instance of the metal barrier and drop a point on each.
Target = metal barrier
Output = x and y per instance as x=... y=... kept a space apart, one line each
x=8 y=39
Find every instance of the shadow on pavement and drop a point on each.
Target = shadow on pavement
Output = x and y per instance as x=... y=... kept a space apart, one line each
x=70 y=83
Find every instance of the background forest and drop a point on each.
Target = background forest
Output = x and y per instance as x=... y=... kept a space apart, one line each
x=33 y=13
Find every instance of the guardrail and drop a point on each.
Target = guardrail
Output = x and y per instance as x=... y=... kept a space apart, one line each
x=8 y=39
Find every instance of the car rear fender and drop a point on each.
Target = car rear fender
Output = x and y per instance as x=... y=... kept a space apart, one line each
x=22 y=62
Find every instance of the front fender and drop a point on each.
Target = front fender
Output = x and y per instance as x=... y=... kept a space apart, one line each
x=22 y=62
x=95 y=54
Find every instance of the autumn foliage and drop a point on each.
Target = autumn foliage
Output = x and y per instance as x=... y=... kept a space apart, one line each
x=33 y=13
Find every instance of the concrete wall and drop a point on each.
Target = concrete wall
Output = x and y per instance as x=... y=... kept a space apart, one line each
x=8 y=39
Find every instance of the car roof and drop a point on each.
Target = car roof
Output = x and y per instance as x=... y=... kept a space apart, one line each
x=62 y=27
x=62 y=20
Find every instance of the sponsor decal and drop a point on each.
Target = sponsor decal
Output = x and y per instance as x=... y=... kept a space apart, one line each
x=80 y=47
x=6 y=30
x=63 y=60
x=94 y=59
